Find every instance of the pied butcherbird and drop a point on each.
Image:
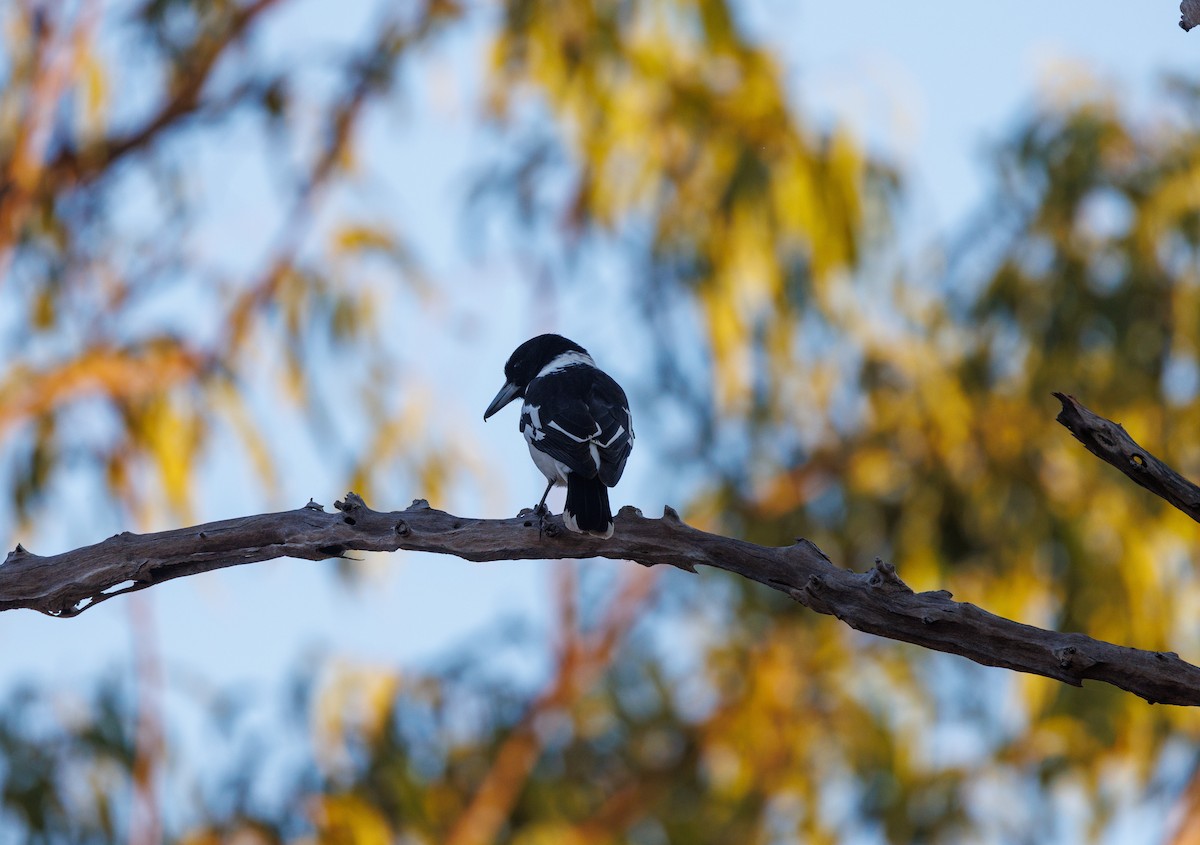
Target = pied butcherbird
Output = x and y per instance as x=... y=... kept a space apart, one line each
x=576 y=421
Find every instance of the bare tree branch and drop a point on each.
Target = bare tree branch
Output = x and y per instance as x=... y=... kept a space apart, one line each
x=1189 y=14
x=876 y=601
x=1109 y=442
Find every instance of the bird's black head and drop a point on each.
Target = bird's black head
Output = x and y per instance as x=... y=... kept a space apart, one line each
x=534 y=354
x=529 y=359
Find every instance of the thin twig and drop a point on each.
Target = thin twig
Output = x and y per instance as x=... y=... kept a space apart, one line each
x=1109 y=442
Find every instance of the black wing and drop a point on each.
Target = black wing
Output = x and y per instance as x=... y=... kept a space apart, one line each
x=580 y=417
x=610 y=410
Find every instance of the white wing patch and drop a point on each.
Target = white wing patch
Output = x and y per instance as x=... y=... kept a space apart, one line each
x=612 y=439
x=532 y=428
x=554 y=425
x=564 y=360
x=533 y=431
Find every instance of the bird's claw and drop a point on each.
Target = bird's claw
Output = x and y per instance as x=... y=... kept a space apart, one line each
x=543 y=514
x=547 y=528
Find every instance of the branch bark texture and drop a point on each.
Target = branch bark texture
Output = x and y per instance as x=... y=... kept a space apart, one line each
x=1109 y=442
x=876 y=601
x=1189 y=14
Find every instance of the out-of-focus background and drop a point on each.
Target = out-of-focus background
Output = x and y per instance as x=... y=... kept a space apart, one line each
x=257 y=251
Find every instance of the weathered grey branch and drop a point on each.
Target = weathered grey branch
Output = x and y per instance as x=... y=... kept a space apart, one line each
x=877 y=601
x=1109 y=442
x=1189 y=14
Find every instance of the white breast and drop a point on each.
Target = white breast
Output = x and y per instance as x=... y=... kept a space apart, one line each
x=555 y=471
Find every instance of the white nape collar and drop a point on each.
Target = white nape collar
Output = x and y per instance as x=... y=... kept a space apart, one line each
x=564 y=360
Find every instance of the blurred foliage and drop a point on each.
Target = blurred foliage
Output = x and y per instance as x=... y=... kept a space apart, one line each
x=1081 y=275
x=674 y=118
x=102 y=214
x=873 y=408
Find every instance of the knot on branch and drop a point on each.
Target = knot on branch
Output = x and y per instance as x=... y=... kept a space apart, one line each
x=883 y=576
x=813 y=594
x=351 y=507
x=352 y=502
x=1072 y=659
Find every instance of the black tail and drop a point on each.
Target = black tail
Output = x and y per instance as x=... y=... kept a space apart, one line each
x=587 y=510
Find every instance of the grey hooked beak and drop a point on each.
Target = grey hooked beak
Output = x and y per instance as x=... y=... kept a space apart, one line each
x=507 y=393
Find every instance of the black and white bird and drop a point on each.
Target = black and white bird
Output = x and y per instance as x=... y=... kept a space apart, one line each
x=576 y=422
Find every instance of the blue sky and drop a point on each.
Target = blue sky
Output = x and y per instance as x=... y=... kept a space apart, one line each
x=927 y=85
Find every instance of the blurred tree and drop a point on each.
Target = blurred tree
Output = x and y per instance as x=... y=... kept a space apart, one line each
x=925 y=432
x=949 y=466
x=102 y=209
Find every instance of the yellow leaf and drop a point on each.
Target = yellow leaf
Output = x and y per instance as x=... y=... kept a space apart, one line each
x=358 y=699
x=362 y=238
x=349 y=820
x=94 y=78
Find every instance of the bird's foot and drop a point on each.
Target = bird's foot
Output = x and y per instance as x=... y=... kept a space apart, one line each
x=542 y=514
x=548 y=529
x=540 y=511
